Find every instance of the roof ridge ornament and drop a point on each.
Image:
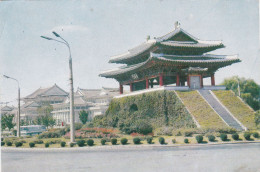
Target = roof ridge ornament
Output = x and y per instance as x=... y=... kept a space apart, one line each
x=177 y=25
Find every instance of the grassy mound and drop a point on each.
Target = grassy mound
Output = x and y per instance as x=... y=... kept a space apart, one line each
x=159 y=108
x=199 y=108
x=238 y=108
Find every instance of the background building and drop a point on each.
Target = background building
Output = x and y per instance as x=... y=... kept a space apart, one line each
x=42 y=96
x=93 y=101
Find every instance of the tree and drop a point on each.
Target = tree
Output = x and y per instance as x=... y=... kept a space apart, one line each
x=83 y=116
x=7 y=121
x=45 y=117
x=22 y=122
x=257 y=118
x=249 y=90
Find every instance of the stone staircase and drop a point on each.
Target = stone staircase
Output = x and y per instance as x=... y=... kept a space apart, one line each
x=221 y=111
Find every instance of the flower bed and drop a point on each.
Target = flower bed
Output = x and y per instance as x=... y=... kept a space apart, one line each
x=94 y=133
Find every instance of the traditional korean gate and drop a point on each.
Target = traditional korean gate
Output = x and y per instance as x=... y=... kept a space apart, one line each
x=195 y=82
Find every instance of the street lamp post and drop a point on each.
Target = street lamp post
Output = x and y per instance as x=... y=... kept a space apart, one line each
x=19 y=109
x=72 y=129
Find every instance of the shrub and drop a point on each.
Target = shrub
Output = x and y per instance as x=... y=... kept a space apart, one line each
x=62 y=144
x=136 y=140
x=8 y=143
x=227 y=130
x=247 y=136
x=188 y=134
x=235 y=136
x=18 y=144
x=49 y=135
x=161 y=140
x=211 y=138
x=78 y=125
x=179 y=134
x=186 y=140
x=31 y=144
x=81 y=143
x=114 y=141
x=72 y=144
x=103 y=141
x=144 y=128
x=173 y=141
x=90 y=142
x=199 y=138
x=223 y=137
x=2 y=143
x=149 y=140
x=124 y=141
x=2 y=139
x=139 y=126
x=256 y=135
x=47 y=145
x=15 y=132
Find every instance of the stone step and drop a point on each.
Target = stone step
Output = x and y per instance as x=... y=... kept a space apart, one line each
x=221 y=111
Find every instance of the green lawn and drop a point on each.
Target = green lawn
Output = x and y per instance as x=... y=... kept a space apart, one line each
x=238 y=108
x=202 y=112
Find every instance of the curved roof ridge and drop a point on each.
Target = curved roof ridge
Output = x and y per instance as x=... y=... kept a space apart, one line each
x=134 y=51
x=174 y=32
x=203 y=55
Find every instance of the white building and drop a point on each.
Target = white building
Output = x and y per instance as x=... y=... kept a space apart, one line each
x=49 y=95
x=94 y=101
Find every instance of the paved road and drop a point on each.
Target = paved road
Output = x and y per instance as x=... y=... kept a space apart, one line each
x=238 y=157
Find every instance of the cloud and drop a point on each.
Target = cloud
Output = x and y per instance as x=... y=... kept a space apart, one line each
x=69 y=28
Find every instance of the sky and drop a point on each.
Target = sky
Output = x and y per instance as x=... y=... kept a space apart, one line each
x=97 y=30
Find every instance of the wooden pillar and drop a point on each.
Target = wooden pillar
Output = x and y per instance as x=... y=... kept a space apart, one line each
x=212 y=80
x=177 y=79
x=201 y=81
x=147 y=84
x=121 y=88
x=161 y=79
x=152 y=83
x=131 y=87
x=188 y=80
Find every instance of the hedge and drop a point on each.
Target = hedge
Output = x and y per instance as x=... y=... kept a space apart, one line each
x=31 y=144
x=114 y=141
x=161 y=140
x=90 y=142
x=149 y=140
x=136 y=140
x=199 y=138
x=103 y=141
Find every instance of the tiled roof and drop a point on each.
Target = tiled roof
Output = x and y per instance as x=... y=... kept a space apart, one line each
x=50 y=91
x=7 y=108
x=192 y=44
x=164 y=40
x=133 y=52
x=178 y=60
x=98 y=93
x=30 y=104
x=173 y=33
